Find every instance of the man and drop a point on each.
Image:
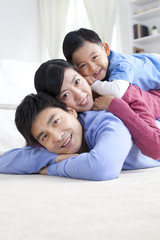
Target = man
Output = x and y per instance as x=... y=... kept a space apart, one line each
x=41 y=119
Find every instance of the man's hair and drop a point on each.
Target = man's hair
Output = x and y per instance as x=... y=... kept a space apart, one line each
x=29 y=108
x=49 y=76
x=75 y=39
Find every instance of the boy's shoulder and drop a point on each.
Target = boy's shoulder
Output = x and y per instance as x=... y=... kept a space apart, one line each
x=116 y=56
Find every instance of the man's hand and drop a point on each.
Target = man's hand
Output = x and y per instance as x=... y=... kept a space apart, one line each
x=103 y=102
x=43 y=171
x=90 y=80
x=61 y=157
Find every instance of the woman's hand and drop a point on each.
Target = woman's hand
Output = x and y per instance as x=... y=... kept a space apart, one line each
x=103 y=102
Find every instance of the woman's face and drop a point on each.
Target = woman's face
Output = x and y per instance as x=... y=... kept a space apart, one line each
x=76 y=92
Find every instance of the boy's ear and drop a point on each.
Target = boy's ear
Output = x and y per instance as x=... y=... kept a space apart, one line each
x=72 y=112
x=106 y=48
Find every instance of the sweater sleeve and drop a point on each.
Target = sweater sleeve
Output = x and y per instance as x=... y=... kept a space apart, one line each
x=25 y=160
x=141 y=125
x=116 y=88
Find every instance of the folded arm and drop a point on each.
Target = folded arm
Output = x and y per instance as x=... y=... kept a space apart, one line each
x=25 y=160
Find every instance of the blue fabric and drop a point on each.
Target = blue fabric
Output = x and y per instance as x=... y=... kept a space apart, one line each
x=111 y=151
x=140 y=69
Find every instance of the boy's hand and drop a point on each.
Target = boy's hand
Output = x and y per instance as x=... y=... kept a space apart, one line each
x=61 y=157
x=103 y=102
x=90 y=80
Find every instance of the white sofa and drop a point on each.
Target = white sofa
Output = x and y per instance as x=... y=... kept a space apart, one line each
x=16 y=81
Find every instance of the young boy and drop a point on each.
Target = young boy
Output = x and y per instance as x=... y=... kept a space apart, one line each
x=94 y=61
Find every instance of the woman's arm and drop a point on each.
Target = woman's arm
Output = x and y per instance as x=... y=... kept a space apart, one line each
x=143 y=127
x=136 y=109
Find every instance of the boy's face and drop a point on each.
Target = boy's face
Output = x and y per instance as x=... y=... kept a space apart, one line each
x=57 y=130
x=76 y=92
x=91 y=60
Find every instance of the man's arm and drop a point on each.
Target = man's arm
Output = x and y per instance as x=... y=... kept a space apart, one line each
x=25 y=160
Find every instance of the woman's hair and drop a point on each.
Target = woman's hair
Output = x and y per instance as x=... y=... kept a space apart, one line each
x=49 y=76
x=75 y=39
x=29 y=108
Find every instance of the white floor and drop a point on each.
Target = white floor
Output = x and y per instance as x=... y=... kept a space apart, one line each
x=36 y=207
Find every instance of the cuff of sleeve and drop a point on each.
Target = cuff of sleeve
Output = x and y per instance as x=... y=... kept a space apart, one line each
x=51 y=170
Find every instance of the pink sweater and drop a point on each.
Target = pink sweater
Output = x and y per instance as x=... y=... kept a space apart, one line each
x=138 y=110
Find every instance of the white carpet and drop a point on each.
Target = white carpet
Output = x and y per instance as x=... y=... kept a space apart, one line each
x=36 y=207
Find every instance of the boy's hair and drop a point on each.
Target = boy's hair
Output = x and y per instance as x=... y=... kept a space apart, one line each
x=29 y=108
x=49 y=76
x=75 y=39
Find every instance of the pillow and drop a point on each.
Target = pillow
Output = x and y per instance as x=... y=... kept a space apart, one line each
x=16 y=81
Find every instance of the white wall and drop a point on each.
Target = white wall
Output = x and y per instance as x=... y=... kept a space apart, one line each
x=20 y=32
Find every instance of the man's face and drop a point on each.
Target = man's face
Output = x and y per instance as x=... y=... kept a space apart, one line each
x=76 y=92
x=91 y=60
x=57 y=130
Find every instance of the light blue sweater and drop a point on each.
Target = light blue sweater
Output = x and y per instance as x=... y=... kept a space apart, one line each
x=140 y=69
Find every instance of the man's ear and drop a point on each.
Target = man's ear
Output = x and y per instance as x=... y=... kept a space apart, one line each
x=72 y=112
x=106 y=48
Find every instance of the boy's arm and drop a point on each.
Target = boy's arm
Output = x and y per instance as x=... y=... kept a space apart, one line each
x=25 y=160
x=115 y=88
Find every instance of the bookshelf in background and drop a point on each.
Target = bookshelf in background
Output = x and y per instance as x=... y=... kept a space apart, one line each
x=144 y=17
